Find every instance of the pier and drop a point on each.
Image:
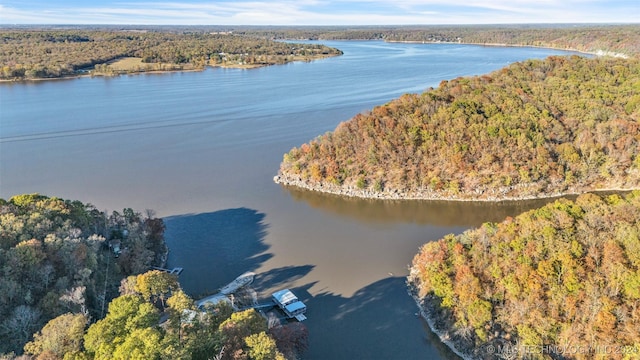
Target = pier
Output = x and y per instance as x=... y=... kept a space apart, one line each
x=226 y=292
x=284 y=300
x=175 y=270
x=240 y=281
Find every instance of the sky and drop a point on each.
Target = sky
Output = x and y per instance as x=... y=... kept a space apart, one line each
x=317 y=12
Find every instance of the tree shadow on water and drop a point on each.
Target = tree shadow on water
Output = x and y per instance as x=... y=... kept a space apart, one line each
x=280 y=278
x=214 y=248
x=378 y=322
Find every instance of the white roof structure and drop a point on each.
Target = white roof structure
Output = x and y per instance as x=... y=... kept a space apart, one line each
x=285 y=297
x=289 y=303
x=213 y=300
x=296 y=306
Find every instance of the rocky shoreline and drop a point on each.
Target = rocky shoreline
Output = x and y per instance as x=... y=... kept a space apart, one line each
x=495 y=195
x=441 y=324
x=442 y=334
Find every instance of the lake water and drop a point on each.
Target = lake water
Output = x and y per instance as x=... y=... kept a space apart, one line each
x=201 y=149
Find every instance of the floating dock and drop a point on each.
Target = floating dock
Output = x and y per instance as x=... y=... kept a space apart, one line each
x=286 y=300
x=289 y=303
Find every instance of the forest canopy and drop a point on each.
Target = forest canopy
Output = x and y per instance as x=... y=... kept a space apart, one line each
x=55 y=259
x=564 y=276
x=138 y=326
x=532 y=129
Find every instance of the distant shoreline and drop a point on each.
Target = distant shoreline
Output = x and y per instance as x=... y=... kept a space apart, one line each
x=255 y=66
x=596 y=53
x=120 y=73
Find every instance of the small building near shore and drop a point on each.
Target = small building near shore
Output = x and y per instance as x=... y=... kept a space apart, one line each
x=289 y=303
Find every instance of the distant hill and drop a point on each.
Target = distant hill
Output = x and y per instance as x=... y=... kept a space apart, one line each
x=559 y=282
x=532 y=129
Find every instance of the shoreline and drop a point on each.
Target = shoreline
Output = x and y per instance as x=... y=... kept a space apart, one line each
x=445 y=330
x=353 y=192
x=87 y=74
x=224 y=66
x=596 y=53
x=442 y=334
x=256 y=66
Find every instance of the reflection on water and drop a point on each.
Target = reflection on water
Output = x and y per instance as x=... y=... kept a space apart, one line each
x=423 y=212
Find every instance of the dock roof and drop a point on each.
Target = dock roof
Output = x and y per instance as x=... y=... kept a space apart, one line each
x=295 y=306
x=285 y=297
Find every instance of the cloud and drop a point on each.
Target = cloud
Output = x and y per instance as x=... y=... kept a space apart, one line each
x=325 y=12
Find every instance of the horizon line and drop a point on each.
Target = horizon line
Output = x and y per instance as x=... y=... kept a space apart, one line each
x=328 y=25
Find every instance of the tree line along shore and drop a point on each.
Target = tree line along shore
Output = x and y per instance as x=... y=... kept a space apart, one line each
x=29 y=54
x=612 y=39
x=46 y=52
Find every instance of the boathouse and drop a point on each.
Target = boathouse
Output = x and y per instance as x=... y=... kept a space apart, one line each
x=289 y=303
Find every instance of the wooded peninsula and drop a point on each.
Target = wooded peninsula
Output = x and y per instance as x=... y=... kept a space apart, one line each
x=562 y=281
x=537 y=128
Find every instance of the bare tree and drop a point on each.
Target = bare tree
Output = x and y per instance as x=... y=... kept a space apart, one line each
x=47 y=274
x=22 y=323
x=76 y=297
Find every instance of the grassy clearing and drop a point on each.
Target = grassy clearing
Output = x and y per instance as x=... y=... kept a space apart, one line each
x=127 y=64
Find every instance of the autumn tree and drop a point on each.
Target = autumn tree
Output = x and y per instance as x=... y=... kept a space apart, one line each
x=60 y=336
x=262 y=347
x=156 y=285
x=54 y=259
x=128 y=314
x=237 y=328
x=292 y=339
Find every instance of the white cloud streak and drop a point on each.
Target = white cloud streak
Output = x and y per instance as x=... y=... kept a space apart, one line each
x=314 y=12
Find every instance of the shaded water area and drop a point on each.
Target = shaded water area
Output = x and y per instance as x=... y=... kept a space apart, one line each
x=201 y=149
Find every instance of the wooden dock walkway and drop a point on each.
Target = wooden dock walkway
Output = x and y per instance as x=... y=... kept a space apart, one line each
x=175 y=270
